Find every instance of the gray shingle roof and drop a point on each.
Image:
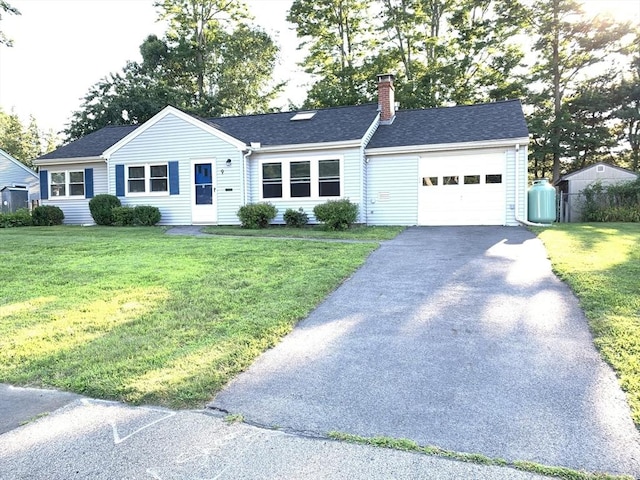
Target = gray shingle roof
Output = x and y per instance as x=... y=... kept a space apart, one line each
x=327 y=125
x=93 y=144
x=490 y=121
x=465 y=123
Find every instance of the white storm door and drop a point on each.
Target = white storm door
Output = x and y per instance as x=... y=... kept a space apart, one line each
x=203 y=192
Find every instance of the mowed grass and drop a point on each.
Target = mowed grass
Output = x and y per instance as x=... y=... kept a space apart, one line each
x=356 y=232
x=135 y=315
x=601 y=263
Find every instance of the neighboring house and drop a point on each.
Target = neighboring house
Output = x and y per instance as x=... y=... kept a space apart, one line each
x=462 y=165
x=571 y=185
x=19 y=185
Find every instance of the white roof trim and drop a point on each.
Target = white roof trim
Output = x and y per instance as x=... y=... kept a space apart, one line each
x=169 y=110
x=309 y=146
x=439 y=147
x=18 y=163
x=64 y=161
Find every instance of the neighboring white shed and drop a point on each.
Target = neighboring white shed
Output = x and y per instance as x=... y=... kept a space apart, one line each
x=572 y=185
x=14 y=175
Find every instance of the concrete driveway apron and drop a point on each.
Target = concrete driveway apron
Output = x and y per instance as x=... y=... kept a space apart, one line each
x=459 y=337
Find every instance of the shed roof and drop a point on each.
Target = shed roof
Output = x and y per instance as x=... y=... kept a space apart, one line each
x=463 y=123
x=589 y=167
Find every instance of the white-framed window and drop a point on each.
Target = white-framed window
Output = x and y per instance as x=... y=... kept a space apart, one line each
x=300 y=178
x=67 y=184
x=329 y=178
x=272 y=180
x=147 y=179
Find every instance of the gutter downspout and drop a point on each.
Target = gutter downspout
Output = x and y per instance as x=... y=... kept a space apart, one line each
x=518 y=219
x=106 y=161
x=244 y=175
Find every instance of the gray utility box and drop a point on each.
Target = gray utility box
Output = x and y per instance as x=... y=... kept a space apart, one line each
x=13 y=198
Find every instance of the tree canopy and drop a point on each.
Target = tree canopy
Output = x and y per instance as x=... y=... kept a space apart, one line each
x=577 y=82
x=577 y=76
x=211 y=61
x=24 y=142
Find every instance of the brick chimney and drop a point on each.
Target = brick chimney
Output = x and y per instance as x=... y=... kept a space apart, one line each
x=386 y=98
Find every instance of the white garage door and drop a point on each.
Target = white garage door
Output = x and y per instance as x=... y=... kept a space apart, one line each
x=462 y=190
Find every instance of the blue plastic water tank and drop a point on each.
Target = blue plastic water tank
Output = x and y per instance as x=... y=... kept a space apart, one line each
x=542 y=202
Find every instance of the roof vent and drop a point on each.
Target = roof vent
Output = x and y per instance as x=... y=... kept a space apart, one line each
x=303 y=116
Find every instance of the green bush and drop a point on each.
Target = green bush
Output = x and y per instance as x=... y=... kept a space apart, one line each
x=47 y=215
x=611 y=203
x=146 y=215
x=296 y=218
x=123 y=216
x=19 y=218
x=337 y=214
x=257 y=215
x=101 y=208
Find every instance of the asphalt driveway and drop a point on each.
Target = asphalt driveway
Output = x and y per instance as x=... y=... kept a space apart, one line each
x=459 y=337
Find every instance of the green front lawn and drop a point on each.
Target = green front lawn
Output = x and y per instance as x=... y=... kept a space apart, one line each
x=601 y=263
x=136 y=315
x=356 y=232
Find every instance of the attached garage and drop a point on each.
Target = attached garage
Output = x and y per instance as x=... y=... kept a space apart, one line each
x=462 y=189
x=464 y=165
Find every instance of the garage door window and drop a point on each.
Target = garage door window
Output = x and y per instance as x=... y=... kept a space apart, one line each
x=495 y=178
x=450 y=180
x=429 y=181
x=472 y=179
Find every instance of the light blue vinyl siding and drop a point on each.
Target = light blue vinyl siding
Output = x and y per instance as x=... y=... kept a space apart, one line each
x=363 y=218
x=516 y=173
x=393 y=183
x=173 y=139
x=510 y=200
x=11 y=173
x=76 y=210
x=392 y=190
x=350 y=182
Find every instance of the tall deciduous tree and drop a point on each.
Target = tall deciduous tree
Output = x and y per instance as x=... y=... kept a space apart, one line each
x=338 y=35
x=442 y=51
x=483 y=53
x=209 y=63
x=129 y=97
x=567 y=45
x=195 y=27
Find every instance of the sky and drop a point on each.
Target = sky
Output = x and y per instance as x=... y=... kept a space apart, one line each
x=63 y=47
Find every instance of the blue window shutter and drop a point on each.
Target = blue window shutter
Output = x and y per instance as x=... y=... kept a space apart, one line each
x=174 y=179
x=88 y=183
x=44 y=184
x=119 y=180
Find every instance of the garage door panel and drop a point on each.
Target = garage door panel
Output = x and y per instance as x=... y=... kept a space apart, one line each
x=465 y=190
